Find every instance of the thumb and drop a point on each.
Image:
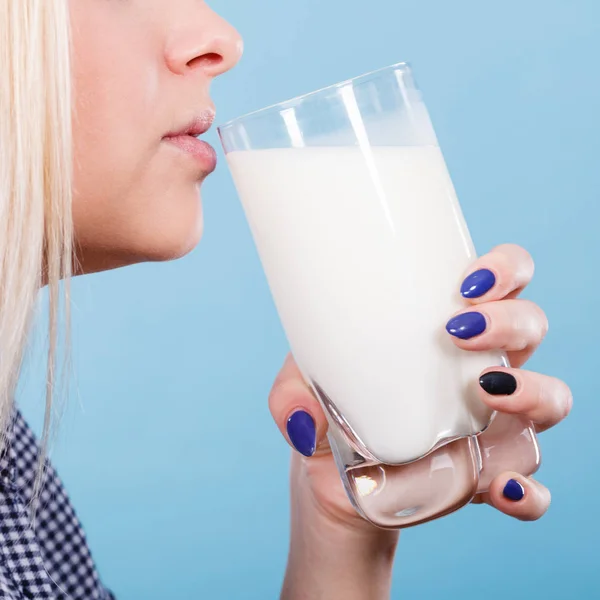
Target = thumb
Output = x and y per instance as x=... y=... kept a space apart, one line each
x=297 y=413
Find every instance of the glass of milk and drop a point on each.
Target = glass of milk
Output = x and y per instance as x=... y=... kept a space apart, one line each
x=364 y=246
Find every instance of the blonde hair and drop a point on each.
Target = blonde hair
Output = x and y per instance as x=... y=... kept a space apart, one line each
x=35 y=184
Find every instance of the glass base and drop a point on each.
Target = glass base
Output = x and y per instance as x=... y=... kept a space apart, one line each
x=397 y=497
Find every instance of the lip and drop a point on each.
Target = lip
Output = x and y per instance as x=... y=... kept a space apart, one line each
x=186 y=139
x=202 y=152
x=197 y=126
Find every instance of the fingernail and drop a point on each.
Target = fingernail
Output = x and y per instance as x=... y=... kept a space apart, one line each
x=498 y=383
x=513 y=490
x=302 y=432
x=466 y=326
x=478 y=283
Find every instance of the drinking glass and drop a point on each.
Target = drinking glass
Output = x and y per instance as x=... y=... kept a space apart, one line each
x=364 y=246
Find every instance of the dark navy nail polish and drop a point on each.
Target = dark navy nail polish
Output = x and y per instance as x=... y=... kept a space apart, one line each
x=513 y=490
x=478 y=283
x=466 y=326
x=498 y=383
x=302 y=432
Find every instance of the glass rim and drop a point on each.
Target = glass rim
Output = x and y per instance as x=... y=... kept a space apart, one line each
x=293 y=102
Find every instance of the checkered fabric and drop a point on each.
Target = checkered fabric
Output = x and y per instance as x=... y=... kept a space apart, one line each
x=50 y=561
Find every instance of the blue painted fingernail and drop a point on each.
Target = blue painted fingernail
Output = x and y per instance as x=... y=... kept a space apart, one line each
x=478 y=283
x=302 y=432
x=466 y=326
x=513 y=490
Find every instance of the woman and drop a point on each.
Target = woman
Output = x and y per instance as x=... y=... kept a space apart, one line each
x=111 y=179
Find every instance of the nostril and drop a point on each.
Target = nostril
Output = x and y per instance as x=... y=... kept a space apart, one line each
x=208 y=60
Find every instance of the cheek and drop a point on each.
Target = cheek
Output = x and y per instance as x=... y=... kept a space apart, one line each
x=136 y=213
x=164 y=213
x=131 y=200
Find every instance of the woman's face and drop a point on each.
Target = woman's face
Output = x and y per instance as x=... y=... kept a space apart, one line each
x=142 y=74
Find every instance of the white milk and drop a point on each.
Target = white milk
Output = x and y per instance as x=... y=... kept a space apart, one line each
x=364 y=254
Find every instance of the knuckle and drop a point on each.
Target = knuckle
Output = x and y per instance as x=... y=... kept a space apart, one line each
x=520 y=261
x=277 y=393
x=508 y=249
x=542 y=321
x=525 y=261
x=554 y=400
x=530 y=321
x=510 y=326
x=537 y=401
x=520 y=257
x=286 y=392
x=566 y=399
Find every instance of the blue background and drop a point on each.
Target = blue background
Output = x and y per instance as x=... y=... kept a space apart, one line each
x=167 y=446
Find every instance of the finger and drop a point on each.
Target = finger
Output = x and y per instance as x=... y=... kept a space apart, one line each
x=503 y=273
x=515 y=326
x=296 y=411
x=543 y=400
x=517 y=496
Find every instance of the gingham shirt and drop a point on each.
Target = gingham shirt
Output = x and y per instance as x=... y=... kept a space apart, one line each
x=51 y=561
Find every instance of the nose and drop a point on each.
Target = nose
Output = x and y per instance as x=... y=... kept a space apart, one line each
x=207 y=43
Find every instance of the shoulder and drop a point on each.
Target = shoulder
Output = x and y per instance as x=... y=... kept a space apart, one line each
x=46 y=557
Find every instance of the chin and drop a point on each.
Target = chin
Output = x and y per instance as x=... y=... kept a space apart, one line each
x=173 y=244
x=173 y=229
x=166 y=228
